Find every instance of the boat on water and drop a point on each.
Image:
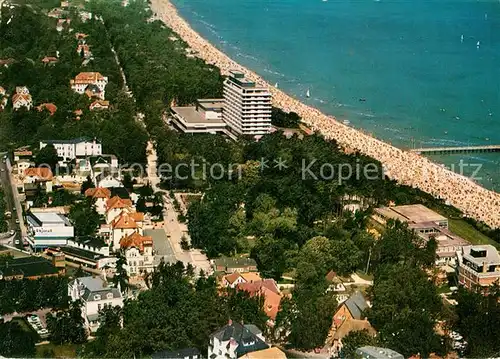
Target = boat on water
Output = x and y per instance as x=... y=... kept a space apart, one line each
x=478 y=45
x=346 y=122
x=462 y=38
x=276 y=85
x=362 y=99
x=308 y=94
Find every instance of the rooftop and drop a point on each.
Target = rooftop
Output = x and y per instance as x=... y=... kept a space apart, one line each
x=244 y=335
x=47 y=218
x=413 y=213
x=29 y=267
x=92 y=286
x=370 y=352
x=192 y=116
x=481 y=253
x=72 y=141
x=356 y=305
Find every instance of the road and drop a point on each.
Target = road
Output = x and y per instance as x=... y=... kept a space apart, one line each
x=11 y=199
x=174 y=229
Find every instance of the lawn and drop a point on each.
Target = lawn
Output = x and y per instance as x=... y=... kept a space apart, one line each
x=56 y=351
x=466 y=231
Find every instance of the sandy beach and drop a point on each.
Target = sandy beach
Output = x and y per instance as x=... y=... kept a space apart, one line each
x=405 y=167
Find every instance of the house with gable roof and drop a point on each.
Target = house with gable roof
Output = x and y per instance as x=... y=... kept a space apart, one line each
x=95 y=294
x=100 y=196
x=22 y=98
x=267 y=289
x=235 y=340
x=91 y=83
x=138 y=252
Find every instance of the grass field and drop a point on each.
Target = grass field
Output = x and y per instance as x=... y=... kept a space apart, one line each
x=57 y=351
x=466 y=231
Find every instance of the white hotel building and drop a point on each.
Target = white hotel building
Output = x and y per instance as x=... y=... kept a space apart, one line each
x=47 y=229
x=247 y=107
x=71 y=149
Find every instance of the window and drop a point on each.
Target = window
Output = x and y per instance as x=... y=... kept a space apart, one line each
x=97 y=297
x=109 y=296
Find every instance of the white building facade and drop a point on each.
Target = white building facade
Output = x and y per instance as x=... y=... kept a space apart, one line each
x=78 y=147
x=48 y=229
x=95 y=294
x=247 y=107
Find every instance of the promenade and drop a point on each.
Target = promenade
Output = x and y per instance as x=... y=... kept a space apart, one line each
x=403 y=166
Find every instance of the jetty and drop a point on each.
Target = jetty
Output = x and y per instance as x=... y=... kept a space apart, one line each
x=454 y=150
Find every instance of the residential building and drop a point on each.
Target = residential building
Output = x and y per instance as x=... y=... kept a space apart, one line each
x=78 y=147
x=100 y=196
x=352 y=308
x=233 y=279
x=337 y=334
x=115 y=206
x=81 y=36
x=99 y=105
x=81 y=257
x=205 y=117
x=235 y=340
x=48 y=229
x=28 y=268
x=47 y=106
x=478 y=266
x=3 y=98
x=270 y=353
x=231 y=265
x=50 y=60
x=371 y=352
x=95 y=294
x=269 y=291
x=186 y=353
x=124 y=225
x=90 y=83
x=40 y=177
x=247 y=106
x=56 y=13
x=23 y=164
x=22 y=98
x=337 y=286
x=91 y=244
x=138 y=253
x=83 y=50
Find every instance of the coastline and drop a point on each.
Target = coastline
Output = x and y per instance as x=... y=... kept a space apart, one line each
x=405 y=167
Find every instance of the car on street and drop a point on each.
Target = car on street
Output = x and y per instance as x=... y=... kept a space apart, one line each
x=17 y=220
x=17 y=241
x=11 y=232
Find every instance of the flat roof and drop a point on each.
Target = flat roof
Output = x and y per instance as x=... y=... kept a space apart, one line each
x=191 y=116
x=416 y=213
x=161 y=245
x=49 y=218
x=492 y=256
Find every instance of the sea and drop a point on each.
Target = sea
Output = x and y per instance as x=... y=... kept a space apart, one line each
x=420 y=73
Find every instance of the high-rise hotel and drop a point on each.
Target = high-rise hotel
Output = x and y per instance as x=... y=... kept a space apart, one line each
x=247 y=107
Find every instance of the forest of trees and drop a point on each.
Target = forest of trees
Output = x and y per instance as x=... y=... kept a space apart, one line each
x=116 y=128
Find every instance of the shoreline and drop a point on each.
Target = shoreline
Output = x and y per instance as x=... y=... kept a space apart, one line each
x=405 y=167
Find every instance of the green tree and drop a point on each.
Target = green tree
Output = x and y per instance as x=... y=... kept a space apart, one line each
x=477 y=317
x=355 y=340
x=88 y=183
x=16 y=342
x=84 y=217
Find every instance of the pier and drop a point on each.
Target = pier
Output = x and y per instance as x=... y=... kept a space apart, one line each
x=454 y=150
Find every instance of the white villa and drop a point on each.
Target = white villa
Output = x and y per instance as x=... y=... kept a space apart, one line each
x=95 y=294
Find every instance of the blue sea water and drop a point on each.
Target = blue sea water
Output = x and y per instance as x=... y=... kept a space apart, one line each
x=422 y=84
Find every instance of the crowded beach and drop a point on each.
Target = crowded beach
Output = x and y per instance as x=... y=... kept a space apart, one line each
x=403 y=166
